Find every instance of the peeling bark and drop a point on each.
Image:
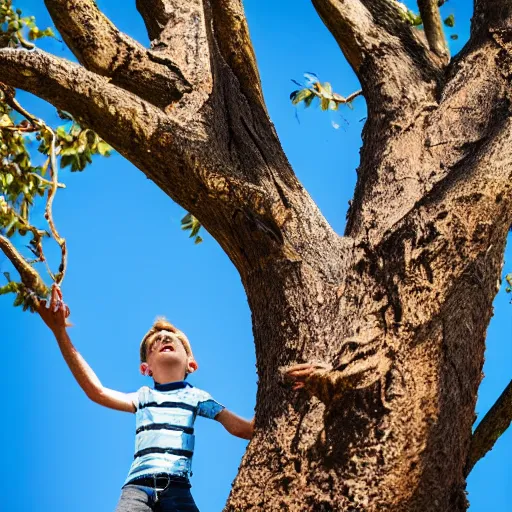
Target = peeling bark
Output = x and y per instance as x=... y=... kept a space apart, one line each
x=396 y=311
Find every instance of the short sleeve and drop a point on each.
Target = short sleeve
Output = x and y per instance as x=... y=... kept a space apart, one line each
x=139 y=396
x=208 y=407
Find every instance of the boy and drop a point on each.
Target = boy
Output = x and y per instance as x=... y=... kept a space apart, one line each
x=158 y=479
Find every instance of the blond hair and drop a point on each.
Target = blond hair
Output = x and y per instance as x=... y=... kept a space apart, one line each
x=162 y=324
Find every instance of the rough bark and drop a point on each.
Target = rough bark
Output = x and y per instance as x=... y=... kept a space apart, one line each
x=399 y=307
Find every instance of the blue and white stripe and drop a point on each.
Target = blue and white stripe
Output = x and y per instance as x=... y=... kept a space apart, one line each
x=164 y=440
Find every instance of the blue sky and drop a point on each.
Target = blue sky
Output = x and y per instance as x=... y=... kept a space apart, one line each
x=129 y=262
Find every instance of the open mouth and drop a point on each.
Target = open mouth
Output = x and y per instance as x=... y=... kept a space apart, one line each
x=167 y=348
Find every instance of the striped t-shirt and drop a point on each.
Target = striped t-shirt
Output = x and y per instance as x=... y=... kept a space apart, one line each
x=164 y=436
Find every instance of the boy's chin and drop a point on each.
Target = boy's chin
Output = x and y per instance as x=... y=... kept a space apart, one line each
x=177 y=366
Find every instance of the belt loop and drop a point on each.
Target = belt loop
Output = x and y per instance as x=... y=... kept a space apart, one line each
x=154 y=480
x=156 y=492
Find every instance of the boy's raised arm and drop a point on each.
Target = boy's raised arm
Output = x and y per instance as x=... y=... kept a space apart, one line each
x=55 y=318
x=235 y=425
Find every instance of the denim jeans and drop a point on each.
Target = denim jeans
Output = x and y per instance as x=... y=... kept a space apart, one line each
x=137 y=498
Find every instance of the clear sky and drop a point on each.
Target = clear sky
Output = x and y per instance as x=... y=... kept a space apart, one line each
x=129 y=262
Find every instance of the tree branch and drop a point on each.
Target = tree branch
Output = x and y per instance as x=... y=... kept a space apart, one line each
x=156 y=14
x=494 y=423
x=361 y=26
x=232 y=36
x=177 y=29
x=116 y=115
x=29 y=276
x=103 y=49
x=431 y=18
x=390 y=57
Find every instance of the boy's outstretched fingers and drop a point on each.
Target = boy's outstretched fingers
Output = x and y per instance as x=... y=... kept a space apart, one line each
x=55 y=313
x=299 y=373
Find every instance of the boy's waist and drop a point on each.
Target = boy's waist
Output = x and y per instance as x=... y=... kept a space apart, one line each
x=161 y=482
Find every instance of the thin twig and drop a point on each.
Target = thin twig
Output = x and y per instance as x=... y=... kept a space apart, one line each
x=24 y=129
x=46 y=182
x=48 y=212
x=348 y=99
x=13 y=103
x=494 y=423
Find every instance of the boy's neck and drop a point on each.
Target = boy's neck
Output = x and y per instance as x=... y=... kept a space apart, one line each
x=169 y=386
x=169 y=374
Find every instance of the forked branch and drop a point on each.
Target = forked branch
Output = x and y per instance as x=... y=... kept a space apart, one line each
x=361 y=26
x=107 y=51
x=178 y=31
x=494 y=423
x=232 y=36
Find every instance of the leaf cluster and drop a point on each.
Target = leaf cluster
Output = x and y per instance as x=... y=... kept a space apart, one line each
x=20 y=180
x=508 y=278
x=315 y=89
x=189 y=222
x=76 y=145
x=17 y=30
x=24 y=297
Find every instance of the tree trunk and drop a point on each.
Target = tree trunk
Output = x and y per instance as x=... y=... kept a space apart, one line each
x=398 y=307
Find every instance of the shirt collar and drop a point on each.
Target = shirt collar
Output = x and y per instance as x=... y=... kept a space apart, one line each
x=170 y=386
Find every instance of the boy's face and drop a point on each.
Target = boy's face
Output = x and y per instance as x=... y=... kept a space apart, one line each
x=165 y=349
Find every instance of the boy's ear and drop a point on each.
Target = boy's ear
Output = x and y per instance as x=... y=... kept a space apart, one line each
x=192 y=366
x=144 y=369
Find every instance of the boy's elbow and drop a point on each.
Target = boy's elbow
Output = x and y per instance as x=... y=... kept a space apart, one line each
x=96 y=395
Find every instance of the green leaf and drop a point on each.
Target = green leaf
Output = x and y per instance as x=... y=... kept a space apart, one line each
x=62 y=134
x=9 y=288
x=103 y=148
x=18 y=301
x=48 y=32
x=309 y=100
x=67 y=160
x=5 y=120
x=324 y=103
x=195 y=229
x=325 y=89
x=198 y=240
x=454 y=37
x=450 y=21
x=71 y=150
x=186 y=219
x=301 y=95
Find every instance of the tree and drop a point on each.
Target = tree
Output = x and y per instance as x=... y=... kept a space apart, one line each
x=397 y=308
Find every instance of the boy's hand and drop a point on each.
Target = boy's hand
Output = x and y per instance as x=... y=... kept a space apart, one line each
x=54 y=316
x=299 y=373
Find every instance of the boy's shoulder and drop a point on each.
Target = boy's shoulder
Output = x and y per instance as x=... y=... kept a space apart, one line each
x=185 y=390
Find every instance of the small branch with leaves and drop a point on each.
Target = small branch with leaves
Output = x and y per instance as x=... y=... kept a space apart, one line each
x=21 y=181
x=313 y=89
